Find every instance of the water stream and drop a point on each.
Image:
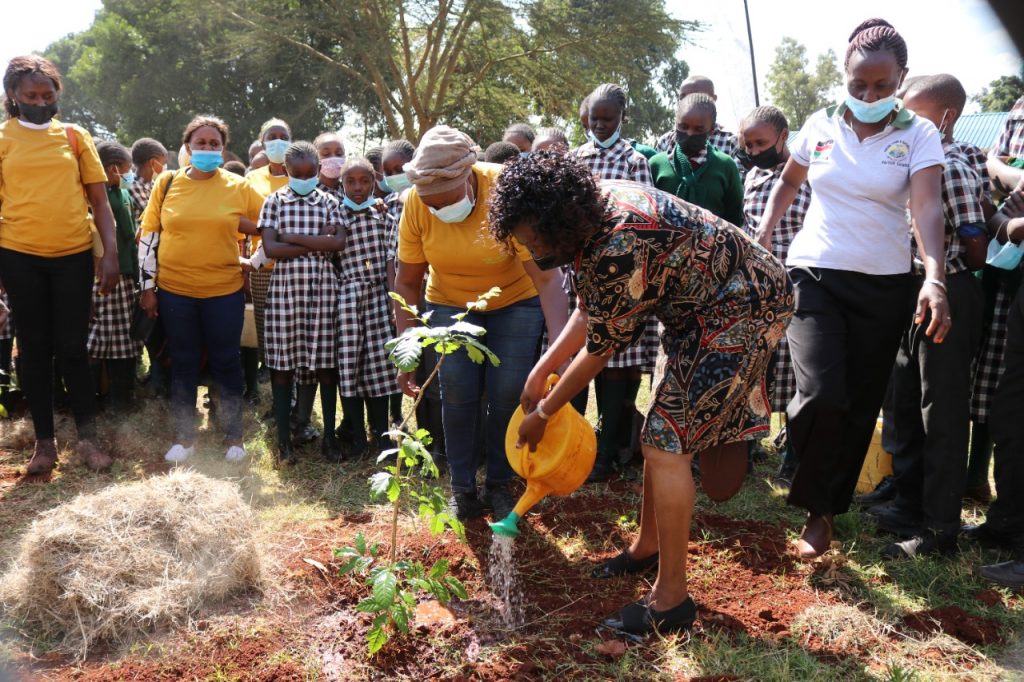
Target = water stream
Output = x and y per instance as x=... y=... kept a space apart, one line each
x=504 y=581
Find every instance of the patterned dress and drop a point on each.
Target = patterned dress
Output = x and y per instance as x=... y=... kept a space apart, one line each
x=139 y=192
x=756 y=188
x=110 y=335
x=994 y=330
x=622 y=162
x=301 y=314
x=364 y=308
x=724 y=302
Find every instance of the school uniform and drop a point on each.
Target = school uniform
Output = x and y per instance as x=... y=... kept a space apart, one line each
x=264 y=184
x=301 y=312
x=364 y=307
x=756 y=190
x=139 y=191
x=709 y=180
x=110 y=332
x=1005 y=516
x=850 y=266
x=723 y=140
x=932 y=381
x=622 y=162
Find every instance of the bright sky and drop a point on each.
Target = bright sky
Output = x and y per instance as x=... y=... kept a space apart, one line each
x=962 y=37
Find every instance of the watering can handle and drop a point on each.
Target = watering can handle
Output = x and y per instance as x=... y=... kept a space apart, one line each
x=552 y=380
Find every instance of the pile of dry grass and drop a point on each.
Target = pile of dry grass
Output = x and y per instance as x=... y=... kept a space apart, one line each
x=110 y=566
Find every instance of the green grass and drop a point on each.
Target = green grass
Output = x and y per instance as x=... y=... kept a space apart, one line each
x=313 y=491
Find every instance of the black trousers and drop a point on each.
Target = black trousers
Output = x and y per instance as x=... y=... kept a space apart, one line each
x=932 y=386
x=1006 y=514
x=843 y=336
x=50 y=301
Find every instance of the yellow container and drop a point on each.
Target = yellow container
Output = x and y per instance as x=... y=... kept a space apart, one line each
x=562 y=461
x=877 y=463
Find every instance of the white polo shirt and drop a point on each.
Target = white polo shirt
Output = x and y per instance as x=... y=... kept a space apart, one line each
x=857 y=220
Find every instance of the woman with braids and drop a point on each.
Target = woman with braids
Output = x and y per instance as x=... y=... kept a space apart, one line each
x=764 y=132
x=51 y=177
x=610 y=157
x=192 y=277
x=443 y=231
x=638 y=253
x=850 y=265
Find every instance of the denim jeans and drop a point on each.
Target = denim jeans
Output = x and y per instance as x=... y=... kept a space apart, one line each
x=213 y=325
x=512 y=334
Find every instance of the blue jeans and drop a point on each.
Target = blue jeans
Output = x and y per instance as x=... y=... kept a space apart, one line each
x=512 y=334
x=213 y=325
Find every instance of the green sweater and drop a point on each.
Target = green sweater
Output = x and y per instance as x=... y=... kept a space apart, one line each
x=124 y=231
x=716 y=185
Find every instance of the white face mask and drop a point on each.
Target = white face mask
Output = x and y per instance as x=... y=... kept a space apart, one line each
x=457 y=212
x=331 y=166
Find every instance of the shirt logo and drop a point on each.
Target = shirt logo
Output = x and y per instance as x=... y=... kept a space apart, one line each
x=822 y=150
x=897 y=150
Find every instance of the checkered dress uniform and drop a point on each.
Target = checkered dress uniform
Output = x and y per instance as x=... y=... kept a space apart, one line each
x=301 y=312
x=993 y=336
x=394 y=207
x=110 y=331
x=336 y=192
x=622 y=162
x=364 y=308
x=139 y=191
x=757 y=187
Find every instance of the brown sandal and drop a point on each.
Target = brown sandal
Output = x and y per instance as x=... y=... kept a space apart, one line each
x=816 y=536
x=44 y=458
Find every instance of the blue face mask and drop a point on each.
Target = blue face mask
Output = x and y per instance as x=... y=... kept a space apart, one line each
x=871 y=112
x=612 y=139
x=359 y=207
x=398 y=182
x=303 y=187
x=1004 y=256
x=455 y=213
x=207 y=160
x=524 y=155
x=127 y=179
x=384 y=186
x=275 y=150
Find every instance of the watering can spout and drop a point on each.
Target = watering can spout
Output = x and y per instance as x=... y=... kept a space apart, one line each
x=508 y=525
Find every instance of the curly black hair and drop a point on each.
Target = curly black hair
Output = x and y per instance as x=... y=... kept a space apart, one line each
x=552 y=193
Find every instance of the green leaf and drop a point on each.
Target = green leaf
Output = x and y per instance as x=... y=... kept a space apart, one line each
x=380 y=482
x=423 y=436
x=377 y=637
x=361 y=543
x=400 y=615
x=394 y=490
x=407 y=352
x=463 y=327
x=473 y=343
x=456 y=586
x=440 y=590
x=475 y=354
x=370 y=605
x=439 y=568
x=384 y=587
x=385 y=454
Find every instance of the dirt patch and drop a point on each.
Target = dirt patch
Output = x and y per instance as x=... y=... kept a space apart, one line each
x=989 y=598
x=955 y=622
x=761 y=547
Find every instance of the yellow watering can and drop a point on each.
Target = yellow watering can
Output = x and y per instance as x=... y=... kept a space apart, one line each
x=560 y=465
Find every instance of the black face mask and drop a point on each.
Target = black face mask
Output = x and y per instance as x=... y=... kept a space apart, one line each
x=548 y=262
x=691 y=144
x=769 y=158
x=37 y=114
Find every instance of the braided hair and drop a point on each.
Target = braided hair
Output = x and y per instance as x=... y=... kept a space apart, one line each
x=873 y=35
x=768 y=114
x=301 y=151
x=23 y=67
x=523 y=129
x=608 y=92
x=112 y=153
x=699 y=102
x=403 y=148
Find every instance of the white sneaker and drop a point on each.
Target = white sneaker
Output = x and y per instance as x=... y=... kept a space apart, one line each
x=235 y=453
x=179 y=453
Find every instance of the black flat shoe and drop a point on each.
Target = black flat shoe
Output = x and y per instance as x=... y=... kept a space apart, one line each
x=640 y=619
x=624 y=564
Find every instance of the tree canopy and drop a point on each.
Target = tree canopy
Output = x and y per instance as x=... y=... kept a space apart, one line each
x=401 y=66
x=1001 y=93
x=794 y=88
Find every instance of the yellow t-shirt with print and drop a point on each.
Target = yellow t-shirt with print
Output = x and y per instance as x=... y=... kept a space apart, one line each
x=43 y=207
x=464 y=259
x=265 y=184
x=198 y=224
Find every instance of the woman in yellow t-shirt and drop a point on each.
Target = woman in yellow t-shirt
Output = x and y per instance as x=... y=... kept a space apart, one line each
x=52 y=192
x=192 y=278
x=443 y=230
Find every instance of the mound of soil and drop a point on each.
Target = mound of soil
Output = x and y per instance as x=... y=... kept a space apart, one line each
x=955 y=622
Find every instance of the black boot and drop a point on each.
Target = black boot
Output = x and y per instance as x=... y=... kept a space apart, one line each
x=285 y=454
x=330 y=448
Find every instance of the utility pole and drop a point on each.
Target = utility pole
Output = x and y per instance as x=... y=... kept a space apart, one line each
x=753 y=66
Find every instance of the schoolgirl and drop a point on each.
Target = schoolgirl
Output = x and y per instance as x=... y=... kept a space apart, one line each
x=300 y=227
x=610 y=157
x=364 y=307
x=110 y=340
